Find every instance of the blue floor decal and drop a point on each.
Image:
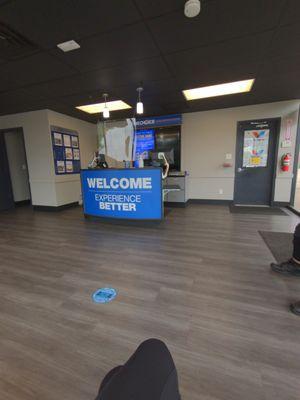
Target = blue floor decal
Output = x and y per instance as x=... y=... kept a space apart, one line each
x=104 y=295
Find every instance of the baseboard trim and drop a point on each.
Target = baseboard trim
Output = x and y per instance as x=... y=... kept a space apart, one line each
x=293 y=210
x=280 y=204
x=56 y=208
x=175 y=204
x=209 y=201
x=22 y=203
x=124 y=222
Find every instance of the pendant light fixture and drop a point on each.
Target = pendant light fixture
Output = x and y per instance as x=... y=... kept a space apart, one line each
x=105 y=109
x=139 y=104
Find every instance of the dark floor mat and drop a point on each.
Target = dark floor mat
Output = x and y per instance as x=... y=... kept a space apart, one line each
x=279 y=243
x=257 y=210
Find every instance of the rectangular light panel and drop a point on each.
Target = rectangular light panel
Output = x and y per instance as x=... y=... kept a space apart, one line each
x=98 y=107
x=219 y=90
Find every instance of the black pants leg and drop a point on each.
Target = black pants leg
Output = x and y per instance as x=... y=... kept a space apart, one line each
x=149 y=374
x=296 y=253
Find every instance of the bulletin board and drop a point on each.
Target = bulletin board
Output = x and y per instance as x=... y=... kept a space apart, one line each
x=66 y=151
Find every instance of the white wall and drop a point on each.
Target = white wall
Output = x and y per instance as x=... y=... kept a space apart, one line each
x=47 y=189
x=207 y=137
x=17 y=165
x=38 y=151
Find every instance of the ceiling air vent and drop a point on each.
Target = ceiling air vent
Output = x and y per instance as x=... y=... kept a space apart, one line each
x=13 y=45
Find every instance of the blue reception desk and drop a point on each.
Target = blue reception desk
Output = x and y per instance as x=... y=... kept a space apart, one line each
x=133 y=194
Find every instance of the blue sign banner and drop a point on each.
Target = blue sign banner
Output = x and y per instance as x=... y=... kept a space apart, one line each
x=134 y=193
x=155 y=122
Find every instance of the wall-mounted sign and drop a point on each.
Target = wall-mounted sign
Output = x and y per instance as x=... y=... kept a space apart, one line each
x=288 y=129
x=144 y=142
x=287 y=135
x=256 y=147
x=123 y=193
x=66 y=151
x=156 y=122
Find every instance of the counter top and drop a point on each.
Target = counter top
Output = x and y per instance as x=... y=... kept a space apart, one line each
x=177 y=174
x=117 y=169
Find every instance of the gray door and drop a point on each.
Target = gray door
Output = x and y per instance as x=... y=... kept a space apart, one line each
x=255 y=161
x=6 y=194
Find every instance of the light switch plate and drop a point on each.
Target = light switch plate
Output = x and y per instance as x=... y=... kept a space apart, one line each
x=228 y=156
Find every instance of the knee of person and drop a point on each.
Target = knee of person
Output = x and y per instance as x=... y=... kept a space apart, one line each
x=153 y=343
x=154 y=346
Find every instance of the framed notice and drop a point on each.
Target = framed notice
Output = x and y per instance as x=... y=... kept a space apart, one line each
x=66 y=151
x=256 y=148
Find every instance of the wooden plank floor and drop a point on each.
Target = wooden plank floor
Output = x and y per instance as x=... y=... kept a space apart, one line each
x=200 y=281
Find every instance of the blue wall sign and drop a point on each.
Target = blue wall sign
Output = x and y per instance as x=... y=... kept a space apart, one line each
x=123 y=193
x=104 y=295
x=155 y=122
x=144 y=142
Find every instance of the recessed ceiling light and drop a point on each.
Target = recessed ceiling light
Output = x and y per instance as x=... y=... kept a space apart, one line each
x=99 y=107
x=219 y=90
x=68 y=46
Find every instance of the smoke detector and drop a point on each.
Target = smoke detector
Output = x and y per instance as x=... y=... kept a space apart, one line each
x=192 y=8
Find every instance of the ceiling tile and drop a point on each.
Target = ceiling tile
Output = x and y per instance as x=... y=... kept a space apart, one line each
x=286 y=85
x=67 y=110
x=172 y=108
x=216 y=74
x=218 y=21
x=222 y=102
x=118 y=47
x=285 y=41
x=49 y=22
x=16 y=97
x=133 y=73
x=158 y=91
x=198 y=62
x=280 y=65
x=153 y=8
x=37 y=68
x=291 y=13
x=105 y=80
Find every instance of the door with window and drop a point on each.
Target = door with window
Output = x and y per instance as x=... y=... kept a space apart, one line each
x=255 y=162
x=297 y=189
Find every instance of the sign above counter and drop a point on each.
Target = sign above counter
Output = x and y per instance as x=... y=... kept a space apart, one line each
x=156 y=122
